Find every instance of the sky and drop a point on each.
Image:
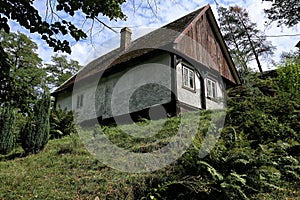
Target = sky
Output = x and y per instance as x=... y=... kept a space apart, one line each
x=141 y=19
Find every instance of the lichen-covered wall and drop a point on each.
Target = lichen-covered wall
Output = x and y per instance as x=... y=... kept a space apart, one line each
x=136 y=88
x=140 y=87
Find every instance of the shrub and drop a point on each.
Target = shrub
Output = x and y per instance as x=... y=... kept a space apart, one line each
x=7 y=137
x=61 y=123
x=289 y=77
x=35 y=133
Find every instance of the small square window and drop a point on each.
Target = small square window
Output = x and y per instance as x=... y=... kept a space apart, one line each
x=211 y=89
x=79 y=101
x=188 y=78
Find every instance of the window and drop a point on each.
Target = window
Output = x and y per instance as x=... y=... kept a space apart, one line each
x=211 y=89
x=79 y=101
x=188 y=78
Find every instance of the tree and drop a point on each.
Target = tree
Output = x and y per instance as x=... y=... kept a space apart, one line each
x=284 y=12
x=28 y=16
x=7 y=137
x=244 y=40
x=35 y=133
x=292 y=55
x=61 y=70
x=289 y=75
x=22 y=76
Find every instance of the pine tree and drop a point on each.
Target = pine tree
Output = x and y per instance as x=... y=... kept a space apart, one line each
x=7 y=137
x=35 y=133
x=245 y=41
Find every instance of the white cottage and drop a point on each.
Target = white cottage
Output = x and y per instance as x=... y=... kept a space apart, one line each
x=182 y=66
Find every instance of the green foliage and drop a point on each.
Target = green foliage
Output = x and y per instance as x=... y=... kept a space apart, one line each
x=256 y=154
x=283 y=12
x=23 y=77
x=61 y=70
x=7 y=135
x=26 y=14
x=35 y=133
x=61 y=123
x=289 y=77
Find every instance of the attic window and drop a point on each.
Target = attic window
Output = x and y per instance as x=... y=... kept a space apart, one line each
x=188 y=78
x=79 y=101
x=211 y=89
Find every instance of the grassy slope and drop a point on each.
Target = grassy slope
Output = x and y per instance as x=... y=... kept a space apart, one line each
x=64 y=170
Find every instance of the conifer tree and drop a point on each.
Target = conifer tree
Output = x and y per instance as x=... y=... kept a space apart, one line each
x=245 y=41
x=7 y=137
x=35 y=133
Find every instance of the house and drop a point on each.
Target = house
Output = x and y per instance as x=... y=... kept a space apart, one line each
x=182 y=66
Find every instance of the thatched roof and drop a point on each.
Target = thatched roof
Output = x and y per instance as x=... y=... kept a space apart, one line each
x=157 y=39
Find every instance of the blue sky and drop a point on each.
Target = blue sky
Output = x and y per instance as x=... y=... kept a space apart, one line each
x=142 y=20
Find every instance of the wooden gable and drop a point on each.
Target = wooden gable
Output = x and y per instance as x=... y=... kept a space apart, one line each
x=203 y=42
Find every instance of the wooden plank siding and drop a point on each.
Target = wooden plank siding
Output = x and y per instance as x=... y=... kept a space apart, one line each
x=201 y=44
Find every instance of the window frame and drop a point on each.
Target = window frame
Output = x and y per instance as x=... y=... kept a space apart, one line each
x=211 y=85
x=79 y=103
x=189 y=69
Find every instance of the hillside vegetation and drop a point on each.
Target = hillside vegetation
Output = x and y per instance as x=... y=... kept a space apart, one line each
x=255 y=157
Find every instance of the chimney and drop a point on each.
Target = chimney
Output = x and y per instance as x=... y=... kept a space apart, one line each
x=125 y=38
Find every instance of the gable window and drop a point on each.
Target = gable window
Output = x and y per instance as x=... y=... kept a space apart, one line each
x=79 y=101
x=211 y=89
x=188 y=78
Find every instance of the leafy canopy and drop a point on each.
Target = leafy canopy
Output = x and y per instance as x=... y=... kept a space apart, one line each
x=289 y=76
x=61 y=70
x=22 y=77
x=284 y=12
x=28 y=16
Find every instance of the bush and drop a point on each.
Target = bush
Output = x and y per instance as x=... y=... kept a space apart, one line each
x=35 y=133
x=289 y=77
x=61 y=123
x=7 y=137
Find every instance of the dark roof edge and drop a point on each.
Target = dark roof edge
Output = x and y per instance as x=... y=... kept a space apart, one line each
x=298 y=44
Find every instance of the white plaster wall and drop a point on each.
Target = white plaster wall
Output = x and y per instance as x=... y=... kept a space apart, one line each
x=64 y=101
x=142 y=86
x=112 y=96
x=184 y=95
x=217 y=103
